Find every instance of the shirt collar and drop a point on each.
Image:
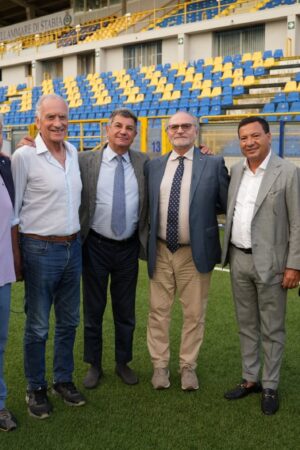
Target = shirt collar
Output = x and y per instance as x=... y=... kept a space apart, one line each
x=188 y=155
x=110 y=154
x=42 y=148
x=262 y=166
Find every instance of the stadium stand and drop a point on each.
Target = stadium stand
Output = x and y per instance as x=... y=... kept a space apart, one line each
x=207 y=88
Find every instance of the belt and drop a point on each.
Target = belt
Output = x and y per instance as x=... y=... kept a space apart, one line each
x=248 y=251
x=165 y=242
x=70 y=237
x=113 y=241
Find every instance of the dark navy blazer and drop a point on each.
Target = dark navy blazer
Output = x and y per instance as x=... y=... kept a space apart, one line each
x=208 y=197
x=5 y=172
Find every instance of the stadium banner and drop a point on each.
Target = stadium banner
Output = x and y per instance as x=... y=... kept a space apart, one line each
x=36 y=26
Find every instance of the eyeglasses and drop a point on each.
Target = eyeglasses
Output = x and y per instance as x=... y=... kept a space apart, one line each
x=183 y=126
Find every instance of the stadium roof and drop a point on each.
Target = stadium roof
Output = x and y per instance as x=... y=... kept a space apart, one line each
x=15 y=11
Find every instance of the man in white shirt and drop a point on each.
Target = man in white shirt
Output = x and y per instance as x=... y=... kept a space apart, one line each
x=48 y=190
x=262 y=245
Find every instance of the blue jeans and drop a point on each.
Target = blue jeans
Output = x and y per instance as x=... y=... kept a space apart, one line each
x=52 y=276
x=4 y=317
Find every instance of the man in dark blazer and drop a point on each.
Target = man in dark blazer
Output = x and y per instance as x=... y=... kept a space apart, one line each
x=183 y=245
x=107 y=250
x=262 y=245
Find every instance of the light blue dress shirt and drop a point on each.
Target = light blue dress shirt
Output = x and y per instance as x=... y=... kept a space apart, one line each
x=101 y=222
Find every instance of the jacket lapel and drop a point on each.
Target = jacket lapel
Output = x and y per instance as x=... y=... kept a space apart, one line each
x=199 y=162
x=272 y=172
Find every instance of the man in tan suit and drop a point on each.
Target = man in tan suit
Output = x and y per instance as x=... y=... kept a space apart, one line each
x=262 y=245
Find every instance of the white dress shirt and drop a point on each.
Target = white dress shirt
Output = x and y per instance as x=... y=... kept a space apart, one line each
x=101 y=222
x=245 y=203
x=47 y=194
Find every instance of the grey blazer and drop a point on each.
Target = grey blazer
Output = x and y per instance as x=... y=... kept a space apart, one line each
x=90 y=164
x=208 y=197
x=275 y=227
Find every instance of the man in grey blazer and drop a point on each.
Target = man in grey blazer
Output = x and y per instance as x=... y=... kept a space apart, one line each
x=262 y=245
x=110 y=249
x=183 y=245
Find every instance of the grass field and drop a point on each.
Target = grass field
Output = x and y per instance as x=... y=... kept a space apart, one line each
x=137 y=417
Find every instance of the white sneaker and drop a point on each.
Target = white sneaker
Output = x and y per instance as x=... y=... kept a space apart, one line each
x=189 y=380
x=160 y=378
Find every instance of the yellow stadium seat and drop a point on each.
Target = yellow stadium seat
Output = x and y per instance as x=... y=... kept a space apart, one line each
x=140 y=98
x=249 y=80
x=227 y=66
x=135 y=90
x=216 y=91
x=206 y=84
x=237 y=81
x=227 y=74
x=209 y=61
x=175 y=95
x=206 y=92
x=162 y=81
x=189 y=78
x=190 y=70
x=218 y=60
x=217 y=68
x=166 y=96
x=169 y=87
x=198 y=76
x=197 y=84
x=246 y=57
x=256 y=56
x=131 y=98
x=238 y=73
x=153 y=82
x=127 y=91
x=291 y=86
x=160 y=89
x=269 y=62
x=258 y=63
x=181 y=72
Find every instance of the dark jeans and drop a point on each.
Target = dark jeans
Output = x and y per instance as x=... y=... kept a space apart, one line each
x=52 y=276
x=119 y=260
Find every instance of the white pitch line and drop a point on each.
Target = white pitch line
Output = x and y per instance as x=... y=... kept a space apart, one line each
x=222 y=270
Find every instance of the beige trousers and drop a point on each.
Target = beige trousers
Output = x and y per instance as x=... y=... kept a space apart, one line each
x=176 y=272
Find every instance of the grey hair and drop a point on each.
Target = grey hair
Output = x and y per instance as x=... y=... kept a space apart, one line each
x=194 y=119
x=123 y=112
x=45 y=97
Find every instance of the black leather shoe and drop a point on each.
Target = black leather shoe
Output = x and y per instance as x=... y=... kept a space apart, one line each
x=91 y=380
x=269 y=402
x=242 y=390
x=126 y=374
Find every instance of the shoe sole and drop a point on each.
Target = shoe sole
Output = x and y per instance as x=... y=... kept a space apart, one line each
x=36 y=416
x=189 y=388
x=161 y=387
x=57 y=394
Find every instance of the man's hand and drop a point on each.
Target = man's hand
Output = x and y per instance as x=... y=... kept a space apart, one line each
x=17 y=253
x=291 y=278
x=26 y=140
x=205 y=150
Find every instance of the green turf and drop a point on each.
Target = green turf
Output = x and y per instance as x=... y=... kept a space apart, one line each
x=137 y=417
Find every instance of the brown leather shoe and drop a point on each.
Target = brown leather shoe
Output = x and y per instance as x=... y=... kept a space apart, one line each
x=242 y=390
